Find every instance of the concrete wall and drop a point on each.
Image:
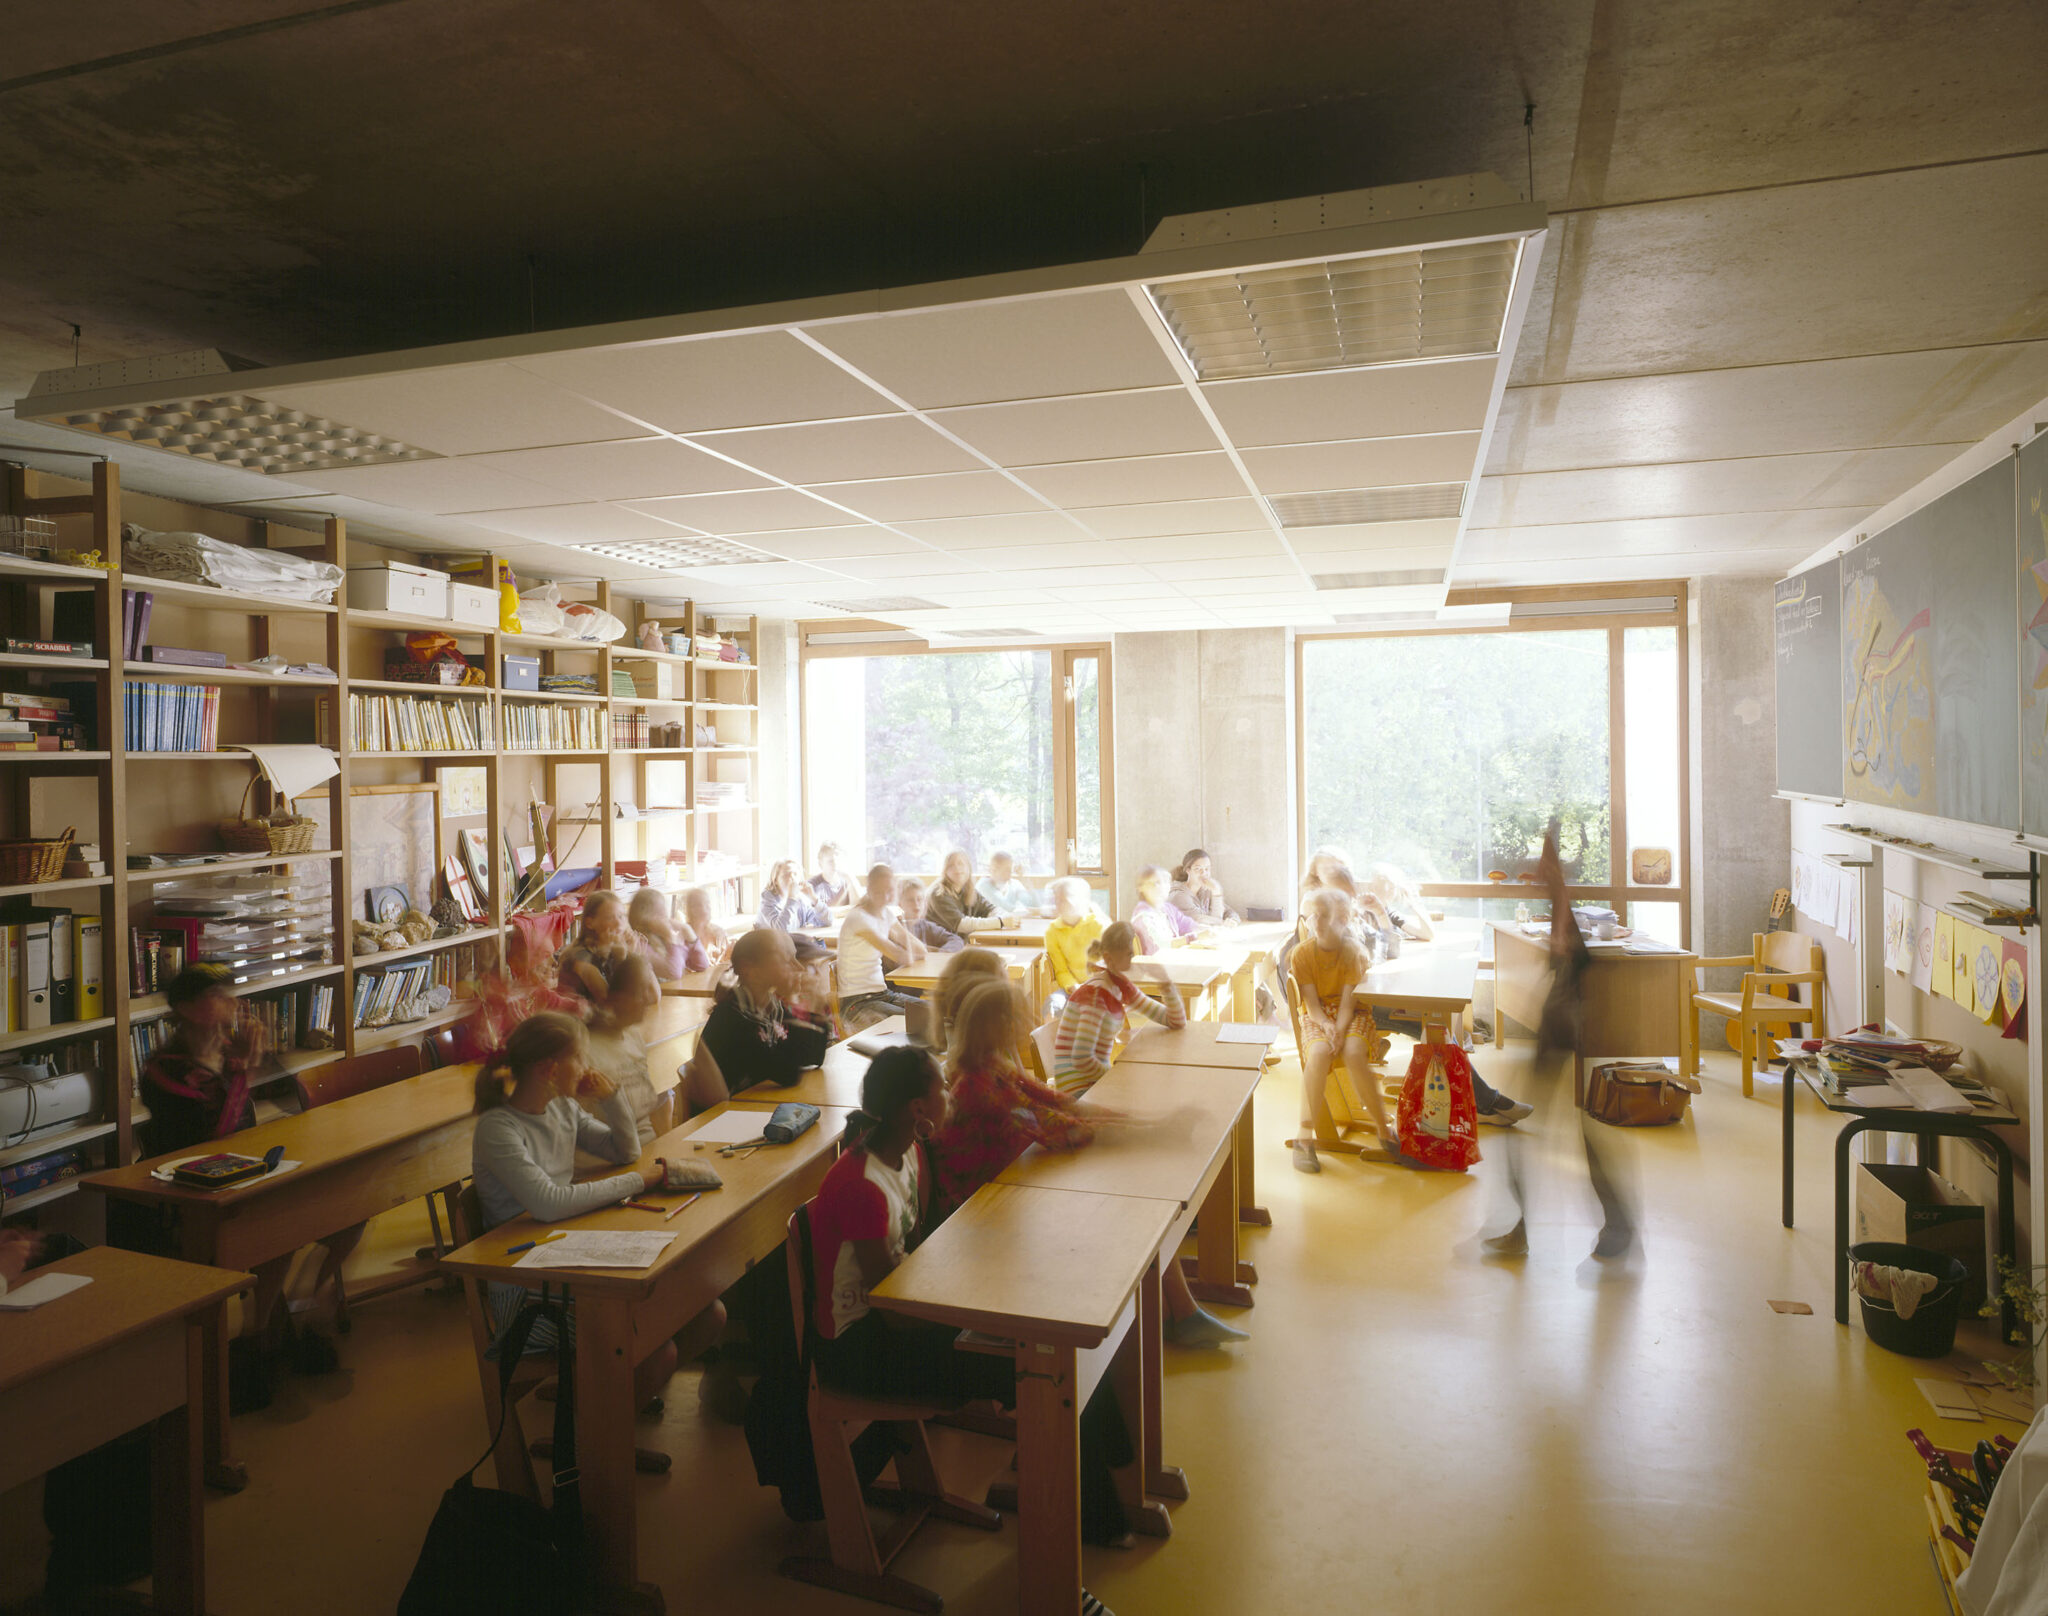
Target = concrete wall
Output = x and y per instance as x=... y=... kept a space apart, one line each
x=1741 y=832
x=781 y=767
x=1205 y=757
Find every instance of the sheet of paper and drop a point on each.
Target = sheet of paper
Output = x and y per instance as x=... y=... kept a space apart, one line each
x=1895 y=954
x=1944 y=954
x=1949 y=1399
x=1245 y=1032
x=167 y=1173
x=732 y=1127
x=2012 y=986
x=1923 y=947
x=1879 y=1097
x=33 y=1293
x=598 y=1248
x=1791 y=1307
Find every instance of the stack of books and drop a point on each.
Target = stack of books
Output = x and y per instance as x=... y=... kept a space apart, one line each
x=569 y=684
x=538 y=726
x=35 y=721
x=170 y=717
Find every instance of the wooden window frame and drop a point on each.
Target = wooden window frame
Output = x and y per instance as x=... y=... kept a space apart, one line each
x=1617 y=892
x=1064 y=655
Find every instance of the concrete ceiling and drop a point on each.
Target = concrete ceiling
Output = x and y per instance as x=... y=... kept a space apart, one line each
x=1795 y=262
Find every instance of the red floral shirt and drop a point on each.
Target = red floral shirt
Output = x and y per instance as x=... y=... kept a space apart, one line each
x=996 y=1112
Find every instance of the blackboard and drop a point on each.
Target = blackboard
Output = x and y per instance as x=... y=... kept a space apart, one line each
x=2032 y=638
x=1929 y=695
x=1807 y=631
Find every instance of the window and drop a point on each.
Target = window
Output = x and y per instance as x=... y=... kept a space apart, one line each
x=908 y=755
x=1448 y=754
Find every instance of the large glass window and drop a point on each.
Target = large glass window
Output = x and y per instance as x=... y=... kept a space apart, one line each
x=1085 y=692
x=1447 y=754
x=907 y=756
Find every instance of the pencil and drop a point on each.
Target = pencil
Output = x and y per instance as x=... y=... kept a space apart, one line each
x=642 y=1206
x=680 y=1206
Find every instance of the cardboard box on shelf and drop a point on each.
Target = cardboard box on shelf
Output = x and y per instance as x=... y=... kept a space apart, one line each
x=1916 y=1206
x=398 y=586
x=472 y=605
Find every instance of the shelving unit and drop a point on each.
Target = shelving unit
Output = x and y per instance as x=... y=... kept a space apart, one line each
x=174 y=808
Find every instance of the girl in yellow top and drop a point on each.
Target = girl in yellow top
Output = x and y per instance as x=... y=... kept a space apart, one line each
x=1074 y=926
x=1326 y=968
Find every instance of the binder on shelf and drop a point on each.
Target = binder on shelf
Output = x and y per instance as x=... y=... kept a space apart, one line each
x=10 y=975
x=35 y=973
x=88 y=955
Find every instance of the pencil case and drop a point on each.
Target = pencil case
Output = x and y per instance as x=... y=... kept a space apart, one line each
x=791 y=1120
x=219 y=1171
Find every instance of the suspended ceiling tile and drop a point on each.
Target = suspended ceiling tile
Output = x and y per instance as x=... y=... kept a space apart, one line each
x=1086 y=593
x=1079 y=577
x=1407 y=558
x=764 y=510
x=1039 y=347
x=1082 y=552
x=913 y=567
x=1133 y=482
x=837 y=451
x=1704 y=488
x=1364 y=463
x=1035 y=526
x=1385 y=401
x=437 y=486
x=826 y=543
x=1586 y=541
x=1307 y=541
x=1277 y=580
x=1224 y=567
x=645 y=468
x=777 y=575
x=578 y=524
x=701 y=384
x=1174 y=516
x=909 y=499
x=1258 y=543
x=1096 y=426
x=465 y=409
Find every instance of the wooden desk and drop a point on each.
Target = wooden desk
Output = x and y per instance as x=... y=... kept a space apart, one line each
x=924 y=976
x=837 y=1082
x=129 y=1348
x=622 y=1314
x=1202 y=975
x=1029 y=932
x=358 y=1157
x=692 y=984
x=1193 y=1127
x=1056 y=1272
x=1430 y=983
x=1195 y=1044
x=1630 y=1004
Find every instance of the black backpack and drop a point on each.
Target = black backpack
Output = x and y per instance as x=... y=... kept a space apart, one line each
x=495 y=1553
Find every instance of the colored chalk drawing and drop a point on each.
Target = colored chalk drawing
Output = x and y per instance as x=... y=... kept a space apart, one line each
x=1887 y=692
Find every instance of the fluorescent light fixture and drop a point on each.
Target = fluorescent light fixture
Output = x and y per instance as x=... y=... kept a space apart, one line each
x=1377 y=309
x=1415 y=502
x=1385 y=620
x=879 y=604
x=989 y=633
x=864 y=637
x=238 y=429
x=1598 y=607
x=1377 y=580
x=672 y=555
x=1490 y=614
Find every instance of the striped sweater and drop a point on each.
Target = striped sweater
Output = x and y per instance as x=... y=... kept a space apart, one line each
x=1093 y=1018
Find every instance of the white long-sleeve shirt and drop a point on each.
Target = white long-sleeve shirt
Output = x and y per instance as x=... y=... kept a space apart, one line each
x=525 y=1162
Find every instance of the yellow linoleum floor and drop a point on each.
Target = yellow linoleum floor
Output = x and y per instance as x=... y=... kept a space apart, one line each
x=1411 y=1427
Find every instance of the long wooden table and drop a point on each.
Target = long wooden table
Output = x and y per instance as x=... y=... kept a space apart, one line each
x=357 y=1157
x=1630 y=1004
x=622 y=1315
x=1430 y=983
x=1057 y=1272
x=128 y=1349
x=924 y=976
x=1201 y=975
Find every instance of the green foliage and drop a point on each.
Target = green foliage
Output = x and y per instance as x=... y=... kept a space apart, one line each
x=2029 y=1303
x=959 y=754
x=1448 y=755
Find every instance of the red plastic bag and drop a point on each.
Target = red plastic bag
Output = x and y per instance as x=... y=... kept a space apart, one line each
x=1439 y=1119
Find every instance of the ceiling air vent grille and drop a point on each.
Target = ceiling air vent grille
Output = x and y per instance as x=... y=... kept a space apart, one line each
x=672 y=555
x=1415 y=503
x=1378 y=580
x=879 y=605
x=1384 y=309
x=235 y=429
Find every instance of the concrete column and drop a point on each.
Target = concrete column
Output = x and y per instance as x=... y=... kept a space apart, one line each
x=780 y=768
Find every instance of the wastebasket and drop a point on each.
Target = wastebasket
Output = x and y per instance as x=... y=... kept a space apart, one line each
x=1931 y=1331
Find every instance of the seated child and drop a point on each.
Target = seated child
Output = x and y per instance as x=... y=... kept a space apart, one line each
x=600 y=934
x=1095 y=1013
x=872 y=939
x=1197 y=894
x=753 y=1035
x=711 y=938
x=529 y=1128
x=1159 y=925
x=787 y=903
x=963 y=971
x=618 y=1043
x=1005 y=893
x=1075 y=924
x=874 y=1204
x=653 y=931
x=1326 y=966
x=956 y=905
x=830 y=886
x=910 y=899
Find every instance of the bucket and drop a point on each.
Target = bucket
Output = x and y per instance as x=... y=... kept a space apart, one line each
x=1931 y=1331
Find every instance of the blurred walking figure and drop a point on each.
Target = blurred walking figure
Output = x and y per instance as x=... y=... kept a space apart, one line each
x=1557 y=1046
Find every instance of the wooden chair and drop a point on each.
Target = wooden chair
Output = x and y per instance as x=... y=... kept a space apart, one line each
x=1779 y=963
x=441 y=1049
x=860 y=1560
x=340 y=1080
x=1347 y=1106
x=1039 y=1048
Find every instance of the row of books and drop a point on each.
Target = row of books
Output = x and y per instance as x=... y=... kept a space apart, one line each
x=284 y=1019
x=419 y=724
x=163 y=717
x=534 y=726
x=51 y=965
x=390 y=994
x=21 y=1177
x=629 y=729
x=38 y=721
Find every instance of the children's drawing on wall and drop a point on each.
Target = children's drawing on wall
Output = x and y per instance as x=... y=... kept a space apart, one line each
x=1887 y=694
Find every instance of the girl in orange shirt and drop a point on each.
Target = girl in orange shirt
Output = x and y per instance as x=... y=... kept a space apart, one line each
x=1326 y=968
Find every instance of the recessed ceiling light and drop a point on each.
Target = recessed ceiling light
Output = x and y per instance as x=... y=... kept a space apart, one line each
x=1377 y=580
x=878 y=604
x=672 y=555
x=238 y=429
x=1414 y=503
x=991 y=633
x=1380 y=309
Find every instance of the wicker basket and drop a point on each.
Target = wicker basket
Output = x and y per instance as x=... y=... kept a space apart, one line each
x=31 y=863
x=280 y=833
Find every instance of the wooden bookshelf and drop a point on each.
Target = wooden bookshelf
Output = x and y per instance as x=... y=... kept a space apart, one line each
x=173 y=800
